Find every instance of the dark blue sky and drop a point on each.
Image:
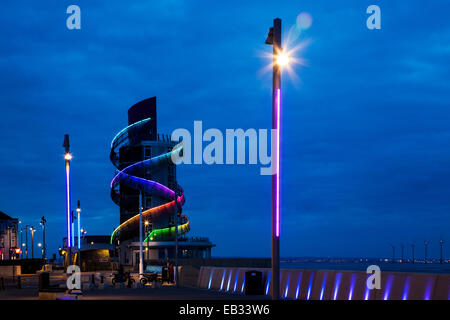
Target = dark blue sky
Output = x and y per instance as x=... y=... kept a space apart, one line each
x=366 y=129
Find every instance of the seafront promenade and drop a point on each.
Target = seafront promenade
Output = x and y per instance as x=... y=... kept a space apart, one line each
x=28 y=289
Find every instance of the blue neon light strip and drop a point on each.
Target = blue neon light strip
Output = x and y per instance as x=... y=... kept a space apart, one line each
x=69 y=244
x=311 y=279
x=389 y=282
x=297 y=291
x=352 y=287
x=126 y=129
x=286 y=290
x=337 y=283
x=268 y=282
x=324 y=283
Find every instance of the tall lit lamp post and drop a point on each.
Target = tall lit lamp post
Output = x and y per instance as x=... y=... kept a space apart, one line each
x=42 y=250
x=26 y=240
x=147 y=233
x=280 y=59
x=21 y=243
x=141 y=254
x=32 y=230
x=20 y=230
x=42 y=223
x=72 y=226
x=79 y=223
x=83 y=234
x=79 y=232
x=68 y=158
x=177 y=212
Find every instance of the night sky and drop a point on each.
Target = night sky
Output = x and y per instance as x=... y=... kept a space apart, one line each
x=366 y=126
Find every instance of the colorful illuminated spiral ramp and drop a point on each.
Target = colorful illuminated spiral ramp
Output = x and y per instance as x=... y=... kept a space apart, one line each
x=134 y=175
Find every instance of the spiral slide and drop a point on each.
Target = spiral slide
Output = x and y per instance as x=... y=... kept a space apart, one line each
x=133 y=177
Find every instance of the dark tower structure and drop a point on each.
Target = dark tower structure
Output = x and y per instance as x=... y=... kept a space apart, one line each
x=136 y=151
x=147 y=175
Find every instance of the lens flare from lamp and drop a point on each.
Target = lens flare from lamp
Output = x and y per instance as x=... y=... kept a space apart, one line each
x=304 y=20
x=283 y=59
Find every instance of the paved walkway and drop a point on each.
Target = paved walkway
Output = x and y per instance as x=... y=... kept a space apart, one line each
x=163 y=293
x=124 y=293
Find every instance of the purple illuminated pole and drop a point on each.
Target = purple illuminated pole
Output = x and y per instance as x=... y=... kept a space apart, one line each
x=68 y=158
x=274 y=39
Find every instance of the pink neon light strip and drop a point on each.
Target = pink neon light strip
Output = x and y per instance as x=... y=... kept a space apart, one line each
x=68 y=203
x=277 y=231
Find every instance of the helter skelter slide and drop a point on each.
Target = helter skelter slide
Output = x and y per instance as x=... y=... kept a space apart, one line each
x=133 y=176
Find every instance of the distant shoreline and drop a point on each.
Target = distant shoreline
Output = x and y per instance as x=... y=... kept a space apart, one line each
x=417 y=267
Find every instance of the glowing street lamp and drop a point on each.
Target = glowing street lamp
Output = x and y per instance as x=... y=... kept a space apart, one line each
x=42 y=250
x=68 y=158
x=280 y=60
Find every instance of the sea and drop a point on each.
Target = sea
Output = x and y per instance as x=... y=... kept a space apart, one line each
x=362 y=264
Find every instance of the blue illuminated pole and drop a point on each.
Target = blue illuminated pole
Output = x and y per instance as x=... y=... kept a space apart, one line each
x=274 y=39
x=72 y=228
x=79 y=223
x=68 y=158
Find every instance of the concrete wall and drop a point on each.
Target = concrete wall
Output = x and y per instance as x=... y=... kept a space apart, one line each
x=332 y=284
x=189 y=276
x=7 y=271
x=228 y=262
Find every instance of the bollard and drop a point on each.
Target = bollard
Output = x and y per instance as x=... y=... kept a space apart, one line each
x=44 y=281
x=19 y=282
x=2 y=283
x=129 y=282
x=92 y=280
x=102 y=279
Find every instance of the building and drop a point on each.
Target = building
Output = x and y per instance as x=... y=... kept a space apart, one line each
x=96 y=252
x=147 y=175
x=9 y=246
